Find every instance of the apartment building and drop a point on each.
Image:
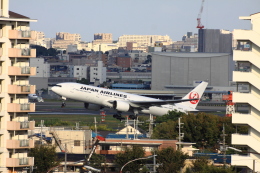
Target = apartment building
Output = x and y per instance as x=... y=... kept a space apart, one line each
x=248 y=50
x=63 y=39
x=102 y=38
x=15 y=71
x=143 y=40
x=98 y=73
x=38 y=38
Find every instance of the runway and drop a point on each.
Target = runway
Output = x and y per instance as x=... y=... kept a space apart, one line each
x=54 y=107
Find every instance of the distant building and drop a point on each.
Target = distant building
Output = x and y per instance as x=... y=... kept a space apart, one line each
x=143 y=40
x=215 y=41
x=63 y=39
x=78 y=72
x=38 y=38
x=98 y=73
x=100 y=38
x=124 y=61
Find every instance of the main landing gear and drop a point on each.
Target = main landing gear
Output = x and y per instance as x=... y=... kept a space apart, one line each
x=63 y=104
x=119 y=116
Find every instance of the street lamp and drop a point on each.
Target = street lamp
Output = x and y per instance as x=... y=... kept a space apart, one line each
x=121 y=170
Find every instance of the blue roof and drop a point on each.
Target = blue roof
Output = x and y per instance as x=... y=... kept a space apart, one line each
x=123 y=136
x=217 y=158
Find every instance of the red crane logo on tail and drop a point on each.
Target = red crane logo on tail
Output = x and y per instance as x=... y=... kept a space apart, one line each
x=194 y=95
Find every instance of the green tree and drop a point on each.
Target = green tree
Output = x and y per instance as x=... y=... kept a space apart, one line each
x=203 y=165
x=170 y=160
x=83 y=81
x=52 y=52
x=44 y=157
x=130 y=153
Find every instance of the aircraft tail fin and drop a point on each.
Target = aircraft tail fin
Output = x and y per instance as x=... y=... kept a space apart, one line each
x=197 y=92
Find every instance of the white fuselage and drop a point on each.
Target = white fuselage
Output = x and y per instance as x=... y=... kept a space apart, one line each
x=103 y=97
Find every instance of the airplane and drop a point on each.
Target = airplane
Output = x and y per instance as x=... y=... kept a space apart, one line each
x=35 y=98
x=96 y=98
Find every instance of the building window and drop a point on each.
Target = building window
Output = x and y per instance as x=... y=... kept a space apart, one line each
x=77 y=68
x=76 y=142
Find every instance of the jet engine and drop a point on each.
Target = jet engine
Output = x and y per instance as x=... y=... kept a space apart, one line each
x=154 y=110
x=121 y=106
x=92 y=106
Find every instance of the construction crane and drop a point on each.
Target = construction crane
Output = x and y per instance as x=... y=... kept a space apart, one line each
x=200 y=26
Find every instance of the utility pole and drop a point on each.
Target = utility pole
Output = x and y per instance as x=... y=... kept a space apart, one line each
x=42 y=123
x=181 y=135
x=224 y=146
x=65 y=167
x=151 y=126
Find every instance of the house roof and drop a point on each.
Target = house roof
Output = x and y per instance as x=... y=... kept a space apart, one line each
x=16 y=15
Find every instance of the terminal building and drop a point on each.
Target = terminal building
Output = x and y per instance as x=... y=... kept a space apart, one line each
x=171 y=70
x=248 y=50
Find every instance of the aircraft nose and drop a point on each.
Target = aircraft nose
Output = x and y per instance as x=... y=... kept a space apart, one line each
x=56 y=88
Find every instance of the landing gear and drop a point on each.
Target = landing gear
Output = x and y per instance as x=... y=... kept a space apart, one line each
x=118 y=116
x=63 y=104
x=133 y=117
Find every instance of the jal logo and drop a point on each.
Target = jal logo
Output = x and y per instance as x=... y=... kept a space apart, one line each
x=194 y=95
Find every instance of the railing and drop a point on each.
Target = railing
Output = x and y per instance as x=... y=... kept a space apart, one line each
x=25 y=106
x=24 y=125
x=26 y=52
x=23 y=161
x=25 y=70
x=26 y=34
x=24 y=143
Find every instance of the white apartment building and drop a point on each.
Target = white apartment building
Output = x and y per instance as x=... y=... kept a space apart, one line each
x=248 y=50
x=78 y=72
x=98 y=73
x=42 y=68
x=15 y=87
x=143 y=40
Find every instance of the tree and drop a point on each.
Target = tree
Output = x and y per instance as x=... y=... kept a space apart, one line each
x=44 y=157
x=130 y=153
x=83 y=81
x=170 y=160
x=203 y=165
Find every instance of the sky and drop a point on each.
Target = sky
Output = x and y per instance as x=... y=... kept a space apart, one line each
x=133 y=17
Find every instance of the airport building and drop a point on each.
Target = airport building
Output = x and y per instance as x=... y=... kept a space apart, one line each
x=248 y=50
x=15 y=53
x=174 y=70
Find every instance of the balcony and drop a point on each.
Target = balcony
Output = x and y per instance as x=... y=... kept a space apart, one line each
x=246 y=77
x=247 y=56
x=19 y=144
x=246 y=119
x=17 y=107
x=25 y=125
x=19 y=162
x=15 y=34
x=246 y=140
x=247 y=35
x=246 y=98
x=22 y=53
x=21 y=89
x=245 y=161
x=21 y=71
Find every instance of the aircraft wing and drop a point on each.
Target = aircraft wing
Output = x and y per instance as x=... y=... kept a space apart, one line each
x=156 y=102
x=160 y=102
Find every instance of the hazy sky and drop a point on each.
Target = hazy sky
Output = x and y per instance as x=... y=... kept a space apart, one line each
x=133 y=17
